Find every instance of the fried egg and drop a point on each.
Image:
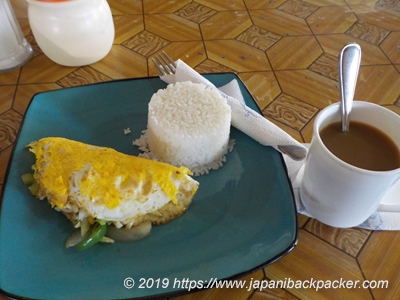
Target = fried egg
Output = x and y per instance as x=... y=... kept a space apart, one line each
x=86 y=181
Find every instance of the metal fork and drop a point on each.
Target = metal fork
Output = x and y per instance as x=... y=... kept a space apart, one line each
x=164 y=64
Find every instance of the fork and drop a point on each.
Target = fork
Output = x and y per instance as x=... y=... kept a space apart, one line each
x=167 y=66
x=164 y=64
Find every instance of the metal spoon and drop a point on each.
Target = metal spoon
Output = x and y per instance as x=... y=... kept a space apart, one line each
x=349 y=64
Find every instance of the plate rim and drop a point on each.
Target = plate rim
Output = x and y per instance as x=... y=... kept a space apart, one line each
x=181 y=292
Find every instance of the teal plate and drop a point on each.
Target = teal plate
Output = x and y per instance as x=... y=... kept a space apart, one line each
x=242 y=218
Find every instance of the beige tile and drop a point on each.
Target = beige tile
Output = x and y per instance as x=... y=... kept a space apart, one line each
x=309 y=87
x=331 y=20
x=209 y=66
x=329 y=2
x=9 y=127
x=292 y=132
x=82 y=76
x=6 y=97
x=370 y=3
x=257 y=4
x=290 y=111
x=51 y=71
x=298 y=8
x=272 y=294
x=371 y=54
x=379 y=16
x=225 y=25
x=302 y=220
x=304 y=50
x=164 y=6
x=263 y=86
x=259 y=38
x=349 y=240
x=326 y=65
x=196 y=12
x=145 y=43
x=323 y=263
x=191 y=52
x=172 y=27
x=368 y=32
x=123 y=7
x=126 y=26
x=280 y=22
x=20 y=8
x=114 y=64
x=240 y=57
x=391 y=47
x=10 y=77
x=378 y=84
x=223 y=5
x=382 y=251
x=388 y=4
x=24 y=24
x=307 y=131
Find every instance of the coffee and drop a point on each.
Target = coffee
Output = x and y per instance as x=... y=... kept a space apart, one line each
x=363 y=146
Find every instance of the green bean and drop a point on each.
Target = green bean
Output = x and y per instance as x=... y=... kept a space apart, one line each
x=96 y=235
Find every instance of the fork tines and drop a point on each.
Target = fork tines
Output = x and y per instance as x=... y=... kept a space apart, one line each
x=164 y=64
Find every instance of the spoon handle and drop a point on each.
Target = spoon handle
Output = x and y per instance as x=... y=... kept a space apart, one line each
x=349 y=63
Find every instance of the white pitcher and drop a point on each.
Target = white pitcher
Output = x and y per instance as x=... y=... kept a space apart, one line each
x=14 y=48
x=72 y=32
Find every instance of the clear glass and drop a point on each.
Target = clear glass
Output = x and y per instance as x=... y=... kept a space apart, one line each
x=15 y=51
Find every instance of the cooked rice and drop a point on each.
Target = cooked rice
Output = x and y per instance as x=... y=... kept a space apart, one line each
x=189 y=125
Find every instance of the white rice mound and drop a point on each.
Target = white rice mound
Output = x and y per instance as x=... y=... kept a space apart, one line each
x=188 y=125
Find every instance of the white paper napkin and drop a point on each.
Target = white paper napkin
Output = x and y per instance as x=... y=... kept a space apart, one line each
x=266 y=133
x=243 y=117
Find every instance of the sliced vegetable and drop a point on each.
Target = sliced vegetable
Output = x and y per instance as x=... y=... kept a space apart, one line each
x=85 y=226
x=34 y=188
x=75 y=239
x=28 y=179
x=101 y=222
x=132 y=234
x=95 y=236
x=106 y=239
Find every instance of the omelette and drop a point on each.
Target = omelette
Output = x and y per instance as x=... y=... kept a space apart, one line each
x=100 y=186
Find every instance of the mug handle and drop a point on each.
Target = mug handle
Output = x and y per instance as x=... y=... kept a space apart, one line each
x=391 y=200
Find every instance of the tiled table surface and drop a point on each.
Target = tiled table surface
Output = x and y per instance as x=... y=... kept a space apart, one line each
x=285 y=51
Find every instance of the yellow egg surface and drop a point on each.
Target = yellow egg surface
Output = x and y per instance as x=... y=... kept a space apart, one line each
x=103 y=183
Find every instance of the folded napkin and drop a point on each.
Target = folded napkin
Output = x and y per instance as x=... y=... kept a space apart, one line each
x=259 y=128
x=243 y=117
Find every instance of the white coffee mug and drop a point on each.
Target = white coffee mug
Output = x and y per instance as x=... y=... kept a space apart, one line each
x=335 y=192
